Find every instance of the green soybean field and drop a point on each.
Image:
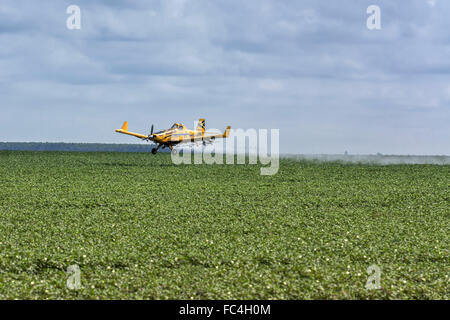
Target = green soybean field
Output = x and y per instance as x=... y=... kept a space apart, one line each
x=136 y=226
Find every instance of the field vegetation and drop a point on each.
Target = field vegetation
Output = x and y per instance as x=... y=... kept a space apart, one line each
x=140 y=227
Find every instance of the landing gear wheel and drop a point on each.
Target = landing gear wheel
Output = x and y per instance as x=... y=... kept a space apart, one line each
x=154 y=151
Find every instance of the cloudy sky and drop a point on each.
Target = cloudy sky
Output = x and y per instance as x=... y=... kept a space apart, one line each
x=310 y=68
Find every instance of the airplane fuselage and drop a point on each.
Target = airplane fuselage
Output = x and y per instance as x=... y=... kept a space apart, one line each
x=175 y=136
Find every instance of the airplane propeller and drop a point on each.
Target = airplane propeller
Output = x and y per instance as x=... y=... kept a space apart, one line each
x=151 y=133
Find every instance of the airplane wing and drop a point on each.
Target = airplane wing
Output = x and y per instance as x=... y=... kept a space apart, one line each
x=210 y=137
x=124 y=130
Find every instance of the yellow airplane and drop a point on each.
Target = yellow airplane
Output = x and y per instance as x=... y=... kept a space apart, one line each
x=175 y=135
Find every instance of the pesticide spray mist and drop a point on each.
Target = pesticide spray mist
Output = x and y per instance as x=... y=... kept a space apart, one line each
x=374 y=159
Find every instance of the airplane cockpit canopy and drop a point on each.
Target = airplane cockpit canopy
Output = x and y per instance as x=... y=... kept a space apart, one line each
x=177 y=126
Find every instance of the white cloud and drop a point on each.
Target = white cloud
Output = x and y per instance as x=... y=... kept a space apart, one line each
x=295 y=65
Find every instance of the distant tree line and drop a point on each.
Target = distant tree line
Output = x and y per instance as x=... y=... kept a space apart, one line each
x=77 y=147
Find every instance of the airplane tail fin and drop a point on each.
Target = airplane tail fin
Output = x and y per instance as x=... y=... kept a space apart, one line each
x=227 y=132
x=201 y=126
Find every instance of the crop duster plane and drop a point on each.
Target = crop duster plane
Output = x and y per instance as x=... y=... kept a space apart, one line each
x=177 y=134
